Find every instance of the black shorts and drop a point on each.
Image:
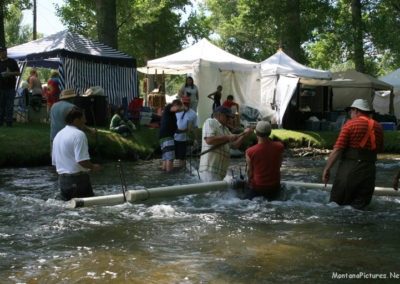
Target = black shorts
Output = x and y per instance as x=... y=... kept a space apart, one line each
x=180 y=150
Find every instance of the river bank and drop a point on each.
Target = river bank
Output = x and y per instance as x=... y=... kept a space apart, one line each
x=27 y=144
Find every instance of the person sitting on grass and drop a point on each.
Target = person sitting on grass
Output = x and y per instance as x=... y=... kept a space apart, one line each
x=120 y=124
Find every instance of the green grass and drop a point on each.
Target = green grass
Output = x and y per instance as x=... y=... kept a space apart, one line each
x=26 y=145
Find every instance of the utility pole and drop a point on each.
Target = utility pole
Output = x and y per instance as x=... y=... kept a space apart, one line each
x=34 y=20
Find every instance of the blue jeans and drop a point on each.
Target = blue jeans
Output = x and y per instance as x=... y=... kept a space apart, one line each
x=7 y=106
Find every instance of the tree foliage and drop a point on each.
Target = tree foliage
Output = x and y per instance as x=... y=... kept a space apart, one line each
x=10 y=20
x=146 y=29
x=326 y=34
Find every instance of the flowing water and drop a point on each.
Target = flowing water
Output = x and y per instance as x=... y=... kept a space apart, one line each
x=207 y=238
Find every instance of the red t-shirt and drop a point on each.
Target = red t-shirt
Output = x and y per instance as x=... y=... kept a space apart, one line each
x=353 y=132
x=229 y=104
x=266 y=159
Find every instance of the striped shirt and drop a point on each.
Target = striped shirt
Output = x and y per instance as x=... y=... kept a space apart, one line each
x=353 y=132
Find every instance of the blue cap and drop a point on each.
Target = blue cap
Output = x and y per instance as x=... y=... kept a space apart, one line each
x=224 y=110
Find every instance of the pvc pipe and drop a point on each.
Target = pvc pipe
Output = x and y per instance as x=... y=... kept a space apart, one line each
x=171 y=191
x=113 y=199
x=379 y=191
x=145 y=194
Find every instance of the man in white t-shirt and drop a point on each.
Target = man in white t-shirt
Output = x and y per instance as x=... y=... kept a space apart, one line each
x=70 y=156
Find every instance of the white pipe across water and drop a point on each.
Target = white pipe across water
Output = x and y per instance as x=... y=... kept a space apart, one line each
x=379 y=191
x=157 y=192
x=140 y=195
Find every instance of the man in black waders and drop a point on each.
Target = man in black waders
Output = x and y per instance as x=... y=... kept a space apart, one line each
x=359 y=141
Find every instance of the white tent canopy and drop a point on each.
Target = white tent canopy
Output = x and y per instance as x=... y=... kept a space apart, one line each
x=211 y=66
x=280 y=75
x=393 y=79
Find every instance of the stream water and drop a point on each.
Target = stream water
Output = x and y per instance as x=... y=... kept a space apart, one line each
x=206 y=238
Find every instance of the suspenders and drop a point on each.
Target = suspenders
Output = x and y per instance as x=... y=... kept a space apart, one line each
x=370 y=133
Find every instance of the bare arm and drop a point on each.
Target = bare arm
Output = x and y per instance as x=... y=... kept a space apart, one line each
x=395 y=182
x=333 y=157
x=87 y=164
x=87 y=129
x=180 y=92
x=239 y=139
x=215 y=140
x=249 y=168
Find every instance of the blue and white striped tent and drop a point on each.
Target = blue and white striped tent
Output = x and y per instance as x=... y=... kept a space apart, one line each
x=82 y=63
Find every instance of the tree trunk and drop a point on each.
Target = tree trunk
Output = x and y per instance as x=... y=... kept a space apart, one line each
x=106 y=11
x=292 y=30
x=357 y=35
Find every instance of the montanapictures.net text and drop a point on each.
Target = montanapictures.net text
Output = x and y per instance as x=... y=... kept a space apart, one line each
x=364 y=275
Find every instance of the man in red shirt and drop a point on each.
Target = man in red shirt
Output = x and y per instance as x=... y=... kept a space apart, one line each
x=229 y=102
x=234 y=122
x=263 y=164
x=359 y=141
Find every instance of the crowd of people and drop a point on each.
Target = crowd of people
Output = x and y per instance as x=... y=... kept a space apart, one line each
x=356 y=149
x=359 y=141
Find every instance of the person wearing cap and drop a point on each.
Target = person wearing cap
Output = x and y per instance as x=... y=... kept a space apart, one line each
x=186 y=119
x=359 y=141
x=70 y=156
x=58 y=112
x=8 y=78
x=216 y=141
x=263 y=164
x=168 y=128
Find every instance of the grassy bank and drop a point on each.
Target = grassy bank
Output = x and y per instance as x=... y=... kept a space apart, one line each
x=26 y=145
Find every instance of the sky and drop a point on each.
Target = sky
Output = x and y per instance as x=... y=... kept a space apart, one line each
x=47 y=22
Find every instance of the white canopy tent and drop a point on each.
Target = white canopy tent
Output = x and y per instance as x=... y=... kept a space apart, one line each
x=393 y=79
x=280 y=75
x=383 y=99
x=211 y=66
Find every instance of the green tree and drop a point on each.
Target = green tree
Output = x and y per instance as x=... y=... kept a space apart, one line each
x=255 y=29
x=146 y=29
x=383 y=24
x=358 y=36
x=15 y=33
x=10 y=11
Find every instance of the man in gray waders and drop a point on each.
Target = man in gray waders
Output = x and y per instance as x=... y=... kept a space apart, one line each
x=359 y=141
